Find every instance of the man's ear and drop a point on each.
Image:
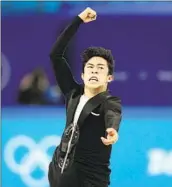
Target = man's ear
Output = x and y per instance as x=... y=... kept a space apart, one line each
x=110 y=78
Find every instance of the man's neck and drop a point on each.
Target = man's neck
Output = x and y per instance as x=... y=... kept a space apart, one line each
x=91 y=92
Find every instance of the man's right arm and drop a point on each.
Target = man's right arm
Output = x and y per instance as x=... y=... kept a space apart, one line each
x=62 y=71
x=61 y=68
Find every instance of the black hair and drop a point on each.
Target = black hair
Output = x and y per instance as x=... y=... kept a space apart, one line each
x=100 y=52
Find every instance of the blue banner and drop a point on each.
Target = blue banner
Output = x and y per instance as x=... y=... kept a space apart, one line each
x=74 y=7
x=141 y=158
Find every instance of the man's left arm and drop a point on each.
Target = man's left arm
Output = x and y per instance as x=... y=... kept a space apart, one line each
x=112 y=117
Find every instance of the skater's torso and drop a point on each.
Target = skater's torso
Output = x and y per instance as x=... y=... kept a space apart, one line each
x=90 y=154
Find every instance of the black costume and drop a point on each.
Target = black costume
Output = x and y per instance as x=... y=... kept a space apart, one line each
x=81 y=159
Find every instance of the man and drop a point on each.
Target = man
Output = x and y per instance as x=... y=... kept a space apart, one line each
x=93 y=115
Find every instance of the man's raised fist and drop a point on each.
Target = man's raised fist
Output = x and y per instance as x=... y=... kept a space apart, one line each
x=88 y=15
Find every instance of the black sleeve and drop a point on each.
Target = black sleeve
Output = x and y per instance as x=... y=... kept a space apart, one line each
x=113 y=113
x=61 y=68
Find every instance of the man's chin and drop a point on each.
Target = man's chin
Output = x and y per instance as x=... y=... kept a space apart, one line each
x=91 y=86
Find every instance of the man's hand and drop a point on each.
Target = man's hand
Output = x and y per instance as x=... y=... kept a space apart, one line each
x=88 y=15
x=112 y=137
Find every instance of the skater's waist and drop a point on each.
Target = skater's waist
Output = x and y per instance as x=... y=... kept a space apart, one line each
x=92 y=158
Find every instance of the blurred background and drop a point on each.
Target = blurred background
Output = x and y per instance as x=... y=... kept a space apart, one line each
x=33 y=114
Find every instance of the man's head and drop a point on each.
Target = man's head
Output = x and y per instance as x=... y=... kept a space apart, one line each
x=98 y=67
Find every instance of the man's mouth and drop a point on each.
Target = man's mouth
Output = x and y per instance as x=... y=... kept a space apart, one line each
x=93 y=78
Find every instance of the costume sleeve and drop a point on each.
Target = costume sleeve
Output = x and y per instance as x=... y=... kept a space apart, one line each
x=113 y=113
x=61 y=68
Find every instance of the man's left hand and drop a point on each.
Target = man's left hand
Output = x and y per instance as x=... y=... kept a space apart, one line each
x=112 y=137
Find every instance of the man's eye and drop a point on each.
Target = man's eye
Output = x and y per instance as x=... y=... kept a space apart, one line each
x=89 y=66
x=101 y=67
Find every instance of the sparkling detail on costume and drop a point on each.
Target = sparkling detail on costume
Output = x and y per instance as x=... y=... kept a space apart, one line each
x=69 y=140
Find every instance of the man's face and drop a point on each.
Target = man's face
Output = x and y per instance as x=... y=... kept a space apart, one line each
x=96 y=73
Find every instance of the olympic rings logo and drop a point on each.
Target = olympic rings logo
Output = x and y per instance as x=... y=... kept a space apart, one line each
x=36 y=157
x=6 y=71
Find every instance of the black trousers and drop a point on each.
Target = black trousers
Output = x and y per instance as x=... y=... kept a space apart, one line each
x=74 y=177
